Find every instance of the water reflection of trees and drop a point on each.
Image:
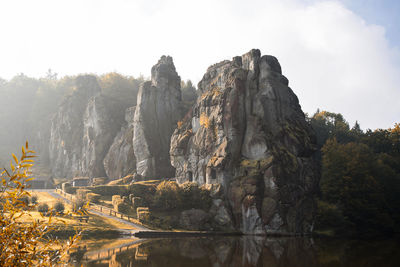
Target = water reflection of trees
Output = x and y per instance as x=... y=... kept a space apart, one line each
x=251 y=251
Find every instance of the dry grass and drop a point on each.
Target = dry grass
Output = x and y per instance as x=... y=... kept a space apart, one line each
x=95 y=222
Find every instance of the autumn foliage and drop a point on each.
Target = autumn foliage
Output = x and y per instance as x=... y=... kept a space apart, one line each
x=26 y=244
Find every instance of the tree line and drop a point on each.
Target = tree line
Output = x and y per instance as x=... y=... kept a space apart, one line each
x=360 y=176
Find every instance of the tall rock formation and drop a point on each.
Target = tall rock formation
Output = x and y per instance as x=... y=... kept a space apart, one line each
x=84 y=128
x=157 y=112
x=65 y=145
x=120 y=159
x=102 y=120
x=247 y=132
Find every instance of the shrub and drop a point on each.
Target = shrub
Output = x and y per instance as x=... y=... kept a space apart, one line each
x=24 y=200
x=81 y=193
x=143 y=214
x=194 y=197
x=79 y=205
x=120 y=204
x=93 y=197
x=34 y=199
x=59 y=207
x=145 y=190
x=43 y=208
x=167 y=196
x=67 y=188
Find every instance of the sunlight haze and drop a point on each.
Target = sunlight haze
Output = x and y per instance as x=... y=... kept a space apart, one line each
x=334 y=59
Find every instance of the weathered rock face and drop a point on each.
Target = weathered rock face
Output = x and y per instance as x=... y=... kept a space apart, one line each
x=248 y=133
x=120 y=159
x=101 y=121
x=157 y=112
x=85 y=126
x=65 y=145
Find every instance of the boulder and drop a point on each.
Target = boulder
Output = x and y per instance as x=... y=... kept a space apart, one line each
x=157 y=113
x=247 y=132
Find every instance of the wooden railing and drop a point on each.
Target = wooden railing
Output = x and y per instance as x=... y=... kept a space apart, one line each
x=102 y=209
x=112 y=212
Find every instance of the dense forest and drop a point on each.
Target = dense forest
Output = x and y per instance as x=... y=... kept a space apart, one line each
x=360 y=181
x=360 y=170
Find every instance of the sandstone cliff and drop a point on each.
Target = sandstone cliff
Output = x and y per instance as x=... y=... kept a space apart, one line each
x=101 y=121
x=248 y=133
x=157 y=112
x=120 y=159
x=84 y=127
x=66 y=133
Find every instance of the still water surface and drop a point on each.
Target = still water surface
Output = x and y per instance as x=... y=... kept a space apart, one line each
x=240 y=251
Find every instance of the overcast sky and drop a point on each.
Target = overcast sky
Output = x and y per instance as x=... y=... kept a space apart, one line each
x=342 y=56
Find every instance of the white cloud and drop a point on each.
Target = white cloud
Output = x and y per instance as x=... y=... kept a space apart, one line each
x=333 y=58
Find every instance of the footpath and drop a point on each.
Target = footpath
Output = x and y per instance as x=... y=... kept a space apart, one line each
x=104 y=212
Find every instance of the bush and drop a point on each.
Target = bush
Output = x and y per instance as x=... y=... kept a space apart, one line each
x=43 y=208
x=81 y=193
x=67 y=188
x=59 y=207
x=145 y=190
x=120 y=204
x=167 y=196
x=24 y=200
x=34 y=199
x=194 y=197
x=93 y=197
x=79 y=205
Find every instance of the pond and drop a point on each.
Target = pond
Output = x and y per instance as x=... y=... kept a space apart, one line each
x=240 y=251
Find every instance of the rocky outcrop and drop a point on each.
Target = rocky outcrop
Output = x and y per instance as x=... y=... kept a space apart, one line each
x=157 y=112
x=84 y=127
x=65 y=145
x=248 y=133
x=101 y=121
x=120 y=159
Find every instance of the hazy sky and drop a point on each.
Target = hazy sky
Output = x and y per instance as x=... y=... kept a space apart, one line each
x=342 y=56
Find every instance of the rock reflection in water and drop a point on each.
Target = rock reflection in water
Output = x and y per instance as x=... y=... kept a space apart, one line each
x=248 y=251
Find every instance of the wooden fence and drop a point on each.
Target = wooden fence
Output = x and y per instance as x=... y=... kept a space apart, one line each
x=101 y=209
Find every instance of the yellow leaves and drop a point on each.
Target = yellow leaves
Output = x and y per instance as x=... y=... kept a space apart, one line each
x=204 y=121
x=12 y=166
x=15 y=158
x=26 y=243
x=180 y=123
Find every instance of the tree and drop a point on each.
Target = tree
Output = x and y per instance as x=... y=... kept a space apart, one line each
x=189 y=93
x=350 y=182
x=329 y=125
x=25 y=244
